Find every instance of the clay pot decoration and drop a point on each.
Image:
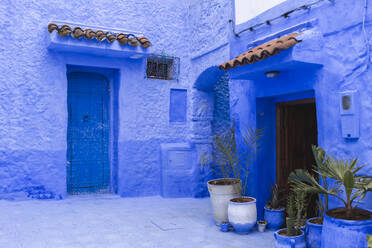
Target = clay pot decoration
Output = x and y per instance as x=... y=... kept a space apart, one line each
x=78 y=33
x=122 y=39
x=64 y=31
x=110 y=37
x=52 y=27
x=89 y=34
x=145 y=43
x=100 y=35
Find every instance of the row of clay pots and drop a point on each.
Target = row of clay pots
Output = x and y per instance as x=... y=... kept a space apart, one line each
x=229 y=207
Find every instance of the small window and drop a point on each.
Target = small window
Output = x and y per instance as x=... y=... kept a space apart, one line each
x=162 y=67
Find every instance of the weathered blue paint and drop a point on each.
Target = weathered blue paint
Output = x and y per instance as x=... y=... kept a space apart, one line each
x=88 y=167
x=274 y=218
x=332 y=57
x=313 y=234
x=345 y=233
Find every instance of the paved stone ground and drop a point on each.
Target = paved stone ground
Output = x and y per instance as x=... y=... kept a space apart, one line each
x=101 y=221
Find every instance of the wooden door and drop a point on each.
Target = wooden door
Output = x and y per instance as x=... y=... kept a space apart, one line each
x=296 y=132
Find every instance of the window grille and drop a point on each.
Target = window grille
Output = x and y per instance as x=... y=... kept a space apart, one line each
x=162 y=67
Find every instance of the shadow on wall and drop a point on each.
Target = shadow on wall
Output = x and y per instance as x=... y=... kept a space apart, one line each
x=215 y=83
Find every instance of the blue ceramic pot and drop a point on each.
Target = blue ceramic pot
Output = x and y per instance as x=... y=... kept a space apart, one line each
x=242 y=214
x=274 y=218
x=313 y=234
x=224 y=227
x=282 y=241
x=338 y=233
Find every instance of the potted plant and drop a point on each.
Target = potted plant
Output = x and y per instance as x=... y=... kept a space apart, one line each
x=292 y=236
x=302 y=180
x=261 y=225
x=300 y=201
x=225 y=226
x=347 y=226
x=274 y=211
x=242 y=213
x=342 y=227
x=231 y=161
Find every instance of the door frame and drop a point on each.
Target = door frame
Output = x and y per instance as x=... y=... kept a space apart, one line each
x=112 y=75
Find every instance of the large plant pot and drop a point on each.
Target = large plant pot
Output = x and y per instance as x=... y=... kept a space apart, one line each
x=274 y=218
x=313 y=234
x=339 y=233
x=221 y=191
x=242 y=214
x=282 y=241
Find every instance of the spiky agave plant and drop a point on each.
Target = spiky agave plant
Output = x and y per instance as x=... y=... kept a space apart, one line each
x=276 y=200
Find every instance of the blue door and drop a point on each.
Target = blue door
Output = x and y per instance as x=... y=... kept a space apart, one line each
x=88 y=168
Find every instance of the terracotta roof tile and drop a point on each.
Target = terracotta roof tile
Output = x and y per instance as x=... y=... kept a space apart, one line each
x=78 y=33
x=262 y=52
x=89 y=34
x=122 y=38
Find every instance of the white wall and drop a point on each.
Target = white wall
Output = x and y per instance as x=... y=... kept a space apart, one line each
x=247 y=9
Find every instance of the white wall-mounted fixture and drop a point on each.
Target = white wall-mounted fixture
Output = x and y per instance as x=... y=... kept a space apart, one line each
x=349 y=111
x=272 y=74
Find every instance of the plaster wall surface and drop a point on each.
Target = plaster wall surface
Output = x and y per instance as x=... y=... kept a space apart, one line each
x=33 y=91
x=337 y=60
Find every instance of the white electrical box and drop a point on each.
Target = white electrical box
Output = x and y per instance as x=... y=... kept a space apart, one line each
x=349 y=111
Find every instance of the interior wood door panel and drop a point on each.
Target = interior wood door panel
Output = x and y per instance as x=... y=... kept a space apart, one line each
x=296 y=132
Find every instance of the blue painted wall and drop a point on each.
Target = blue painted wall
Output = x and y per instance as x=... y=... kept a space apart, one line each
x=33 y=91
x=333 y=57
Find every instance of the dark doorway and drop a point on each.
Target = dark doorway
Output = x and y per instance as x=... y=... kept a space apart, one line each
x=296 y=127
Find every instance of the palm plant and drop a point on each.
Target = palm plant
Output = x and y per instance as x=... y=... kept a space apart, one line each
x=303 y=181
x=344 y=172
x=232 y=158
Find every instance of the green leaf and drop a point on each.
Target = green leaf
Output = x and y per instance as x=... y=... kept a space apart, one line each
x=349 y=182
